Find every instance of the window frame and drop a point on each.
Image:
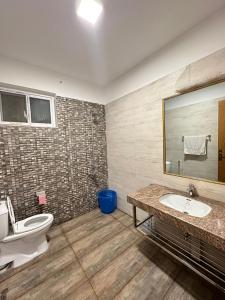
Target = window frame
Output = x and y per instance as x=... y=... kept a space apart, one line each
x=29 y=95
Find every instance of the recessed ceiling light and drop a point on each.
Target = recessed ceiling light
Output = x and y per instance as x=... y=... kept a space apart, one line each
x=89 y=10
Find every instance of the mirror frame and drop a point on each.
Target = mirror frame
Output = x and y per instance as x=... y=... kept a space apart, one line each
x=164 y=131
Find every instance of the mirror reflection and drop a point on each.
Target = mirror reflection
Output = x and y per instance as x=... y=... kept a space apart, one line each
x=194 y=138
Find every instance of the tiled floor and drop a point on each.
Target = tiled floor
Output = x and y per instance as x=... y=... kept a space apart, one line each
x=100 y=256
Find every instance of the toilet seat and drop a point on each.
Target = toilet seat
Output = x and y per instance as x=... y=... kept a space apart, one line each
x=27 y=226
x=26 y=241
x=20 y=234
x=32 y=223
x=11 y=211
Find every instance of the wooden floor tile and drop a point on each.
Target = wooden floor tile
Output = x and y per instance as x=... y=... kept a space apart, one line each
x=126 y=220
x=99 y=256
x=104 y=254
x=188 y=286
x=87 y=228
x=135 y=230
x=55 y=244
x=109 y=281
x=33 y=275
x=78 y=221
x=59 y=285
x=98 y=237
x=152 y=282
x=54 y=232
x=83 y=292
x=118 y=214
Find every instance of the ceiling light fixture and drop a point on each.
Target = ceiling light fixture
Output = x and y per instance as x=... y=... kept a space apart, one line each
x=90 y=10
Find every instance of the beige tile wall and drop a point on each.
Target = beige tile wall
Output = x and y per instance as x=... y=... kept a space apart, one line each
x=135 y=140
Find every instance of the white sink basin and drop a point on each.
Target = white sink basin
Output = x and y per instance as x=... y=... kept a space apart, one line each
x=186 y=205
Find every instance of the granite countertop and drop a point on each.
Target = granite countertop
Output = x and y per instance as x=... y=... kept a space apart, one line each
x=210 y=229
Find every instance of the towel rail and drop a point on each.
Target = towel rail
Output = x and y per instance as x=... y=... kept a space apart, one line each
x=194 y=253
x=208 y=138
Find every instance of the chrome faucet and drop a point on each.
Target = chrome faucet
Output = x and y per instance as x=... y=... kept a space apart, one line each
x=191 y=190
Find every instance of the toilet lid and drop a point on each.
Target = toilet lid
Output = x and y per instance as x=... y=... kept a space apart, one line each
x=11 y=211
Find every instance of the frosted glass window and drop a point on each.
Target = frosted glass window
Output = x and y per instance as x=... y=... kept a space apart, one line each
x=13 y=107
x=40 y=110
x=19 y=107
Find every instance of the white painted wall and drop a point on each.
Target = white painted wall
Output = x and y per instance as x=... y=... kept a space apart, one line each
x=202 y=40
x=26 y=75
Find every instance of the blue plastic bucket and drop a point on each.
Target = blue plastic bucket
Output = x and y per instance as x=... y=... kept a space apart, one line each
x=107 y=200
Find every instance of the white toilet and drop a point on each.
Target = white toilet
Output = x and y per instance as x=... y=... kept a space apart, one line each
x=28 y=238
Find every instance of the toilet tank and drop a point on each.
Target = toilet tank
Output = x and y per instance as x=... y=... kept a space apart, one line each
x=4 y=222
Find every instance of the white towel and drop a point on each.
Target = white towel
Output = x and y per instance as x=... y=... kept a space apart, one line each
x=195 y=145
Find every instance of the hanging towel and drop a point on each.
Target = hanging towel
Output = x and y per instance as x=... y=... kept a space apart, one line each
x=195 y=145
x=42 y=199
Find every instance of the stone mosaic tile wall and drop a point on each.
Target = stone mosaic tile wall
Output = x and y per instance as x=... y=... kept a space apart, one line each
x=68 y=162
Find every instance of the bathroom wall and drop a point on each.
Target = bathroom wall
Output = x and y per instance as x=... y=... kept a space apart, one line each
x=68 y=162
x=135 y=133
x=195 y=119
x=16 y=72
x=203 y=39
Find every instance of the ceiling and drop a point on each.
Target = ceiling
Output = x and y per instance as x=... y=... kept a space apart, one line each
x=47 y=33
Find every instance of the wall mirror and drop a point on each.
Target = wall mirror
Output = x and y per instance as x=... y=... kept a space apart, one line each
x=194 y=134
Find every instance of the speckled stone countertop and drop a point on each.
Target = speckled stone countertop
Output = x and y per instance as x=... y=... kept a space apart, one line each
x=210 y=229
